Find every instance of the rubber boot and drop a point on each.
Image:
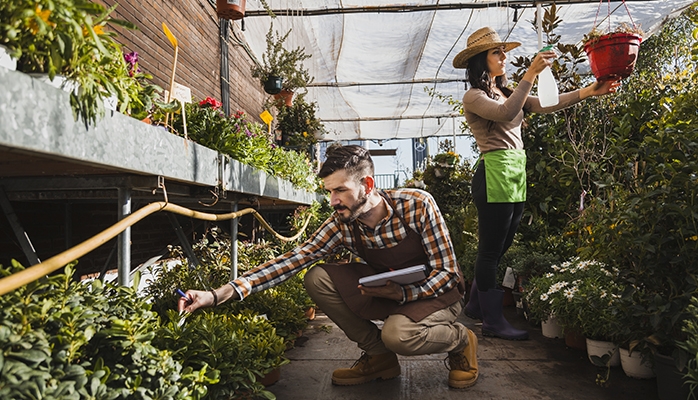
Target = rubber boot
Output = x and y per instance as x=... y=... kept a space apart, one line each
x=472 y=309
x=493 y=322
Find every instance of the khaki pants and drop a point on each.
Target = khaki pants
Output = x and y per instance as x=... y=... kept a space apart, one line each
x=437 y=333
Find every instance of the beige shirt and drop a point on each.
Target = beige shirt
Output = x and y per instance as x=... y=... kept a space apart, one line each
x=506 y=115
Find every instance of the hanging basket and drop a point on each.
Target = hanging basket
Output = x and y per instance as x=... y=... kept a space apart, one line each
x=273 y=84
x=230 y=9
x=613 y=56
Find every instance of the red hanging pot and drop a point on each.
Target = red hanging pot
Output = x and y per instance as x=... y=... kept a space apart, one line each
x=230 y=9
x=613 y=56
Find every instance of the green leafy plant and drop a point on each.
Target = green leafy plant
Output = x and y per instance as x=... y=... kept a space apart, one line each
x=690 y=345
x=60 y=338
x=298 y=124
x=278 y=61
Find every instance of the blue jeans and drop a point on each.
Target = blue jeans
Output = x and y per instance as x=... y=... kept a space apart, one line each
x=497 y=224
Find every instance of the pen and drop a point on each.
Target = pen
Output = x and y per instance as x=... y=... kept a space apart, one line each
x=182 y=294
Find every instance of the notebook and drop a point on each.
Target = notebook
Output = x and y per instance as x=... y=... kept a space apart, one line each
x=402 y=276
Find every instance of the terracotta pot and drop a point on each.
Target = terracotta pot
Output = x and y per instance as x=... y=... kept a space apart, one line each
x=613 y=56
x=575 y=340
x=271 y=378
x=230 y=9
x=284 y=97
x=310 y=313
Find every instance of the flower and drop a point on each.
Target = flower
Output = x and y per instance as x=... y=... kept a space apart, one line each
x=43 y=15
x=132 y=61
x=210 y=102
x=582 y=294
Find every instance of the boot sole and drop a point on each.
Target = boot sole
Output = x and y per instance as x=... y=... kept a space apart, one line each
x=463 y=384
x=473 y=316
x=383 y=375
x=492 y=334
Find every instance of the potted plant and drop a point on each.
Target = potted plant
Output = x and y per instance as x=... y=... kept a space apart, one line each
x=298 y=124
x=612 y=55
x=230 y=9
x=281 y=71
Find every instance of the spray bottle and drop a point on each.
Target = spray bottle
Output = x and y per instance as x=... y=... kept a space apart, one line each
x=548 y=94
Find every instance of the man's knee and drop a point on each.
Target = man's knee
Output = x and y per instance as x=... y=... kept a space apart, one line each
x=315 y=279
x=397 y=339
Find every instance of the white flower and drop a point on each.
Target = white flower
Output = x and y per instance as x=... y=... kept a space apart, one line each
x=544 y=297
x=603 y=294
x=569 y=293
x=549 y=275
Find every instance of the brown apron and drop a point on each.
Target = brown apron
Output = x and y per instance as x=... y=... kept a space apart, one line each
x=407 y=253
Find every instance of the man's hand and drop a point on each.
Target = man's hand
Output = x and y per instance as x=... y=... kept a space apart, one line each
x=390 y=291
x=196 y=299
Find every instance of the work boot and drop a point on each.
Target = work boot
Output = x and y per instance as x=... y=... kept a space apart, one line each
x=368 y=368
x=493 y=322
x=463 y=364
x=472 y=309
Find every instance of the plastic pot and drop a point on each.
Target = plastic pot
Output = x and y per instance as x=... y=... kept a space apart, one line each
x=273 y=84
x=613 y=56
x=670 y=381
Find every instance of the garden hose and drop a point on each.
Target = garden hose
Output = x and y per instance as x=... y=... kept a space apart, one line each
x=16 y=280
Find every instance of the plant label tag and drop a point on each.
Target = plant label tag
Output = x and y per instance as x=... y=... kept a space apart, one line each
x=509 y=281
x=181 y=93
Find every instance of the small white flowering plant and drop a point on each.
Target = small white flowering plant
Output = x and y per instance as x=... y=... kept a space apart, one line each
x=582 y=295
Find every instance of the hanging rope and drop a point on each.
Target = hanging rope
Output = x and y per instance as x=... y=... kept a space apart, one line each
x=14 y=281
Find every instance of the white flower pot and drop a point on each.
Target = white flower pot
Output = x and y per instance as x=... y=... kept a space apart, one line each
x=634 y=366
x=599 y=348
x=551 y=329
x=5 y=60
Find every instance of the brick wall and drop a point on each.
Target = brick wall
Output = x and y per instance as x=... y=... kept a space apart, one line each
x=195 y=25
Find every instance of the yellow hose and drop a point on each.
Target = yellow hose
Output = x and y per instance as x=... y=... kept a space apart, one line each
x=12 y=282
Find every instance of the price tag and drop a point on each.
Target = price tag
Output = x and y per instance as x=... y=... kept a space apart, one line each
x=181 y=93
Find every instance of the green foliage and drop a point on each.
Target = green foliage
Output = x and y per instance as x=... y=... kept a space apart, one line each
x=581 y=294
x=241 y=348
x=298 y=124
x=278 y=61
x=71 y=340
x=246 y=141
x=690 y=345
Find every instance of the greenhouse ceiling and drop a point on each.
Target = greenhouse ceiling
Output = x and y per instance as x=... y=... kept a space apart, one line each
x=373 y=60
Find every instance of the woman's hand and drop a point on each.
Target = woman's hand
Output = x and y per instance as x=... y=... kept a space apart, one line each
x=599 y=88
x=391 y=291
x=541 y=60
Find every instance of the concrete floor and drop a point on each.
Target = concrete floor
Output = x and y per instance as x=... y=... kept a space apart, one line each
x=538 y=368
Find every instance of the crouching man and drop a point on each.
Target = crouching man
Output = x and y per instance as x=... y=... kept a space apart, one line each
x=388 y=230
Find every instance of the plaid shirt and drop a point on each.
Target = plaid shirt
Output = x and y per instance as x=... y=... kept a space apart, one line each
x=421 y=214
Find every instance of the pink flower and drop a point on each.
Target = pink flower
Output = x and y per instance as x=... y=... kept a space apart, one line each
x=210 y=102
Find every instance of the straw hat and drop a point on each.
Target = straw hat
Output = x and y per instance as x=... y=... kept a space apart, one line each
x=481 y=40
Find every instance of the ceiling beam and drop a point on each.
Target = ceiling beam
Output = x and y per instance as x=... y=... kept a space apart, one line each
x=399 y=117
x=410 y=82
x=401 y=8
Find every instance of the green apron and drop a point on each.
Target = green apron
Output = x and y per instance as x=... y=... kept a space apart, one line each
x=505 y=176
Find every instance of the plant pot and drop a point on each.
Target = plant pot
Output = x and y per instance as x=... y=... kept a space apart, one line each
x=551 y=329
x=310 y=313
x=575 y=340
x=508 y=298
x=272 y=377
x=273 y=84
x=613 y=56
x=230 y=9
x=671 y=383
x=599 y=348
x=284 y=97
x=6 y=61
x=634 y=365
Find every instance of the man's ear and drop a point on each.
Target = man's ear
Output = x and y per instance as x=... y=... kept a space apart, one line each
x=369 y=183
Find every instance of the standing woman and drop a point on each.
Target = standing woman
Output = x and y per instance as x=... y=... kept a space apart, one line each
x=494 y=114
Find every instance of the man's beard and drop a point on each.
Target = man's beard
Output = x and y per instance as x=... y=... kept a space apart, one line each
x=354 y=211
